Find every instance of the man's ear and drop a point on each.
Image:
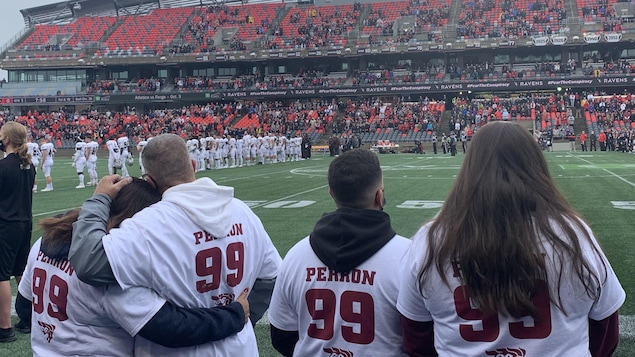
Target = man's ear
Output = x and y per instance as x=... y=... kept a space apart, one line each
x=193 y=164
x=379 y=198
x=149 y=180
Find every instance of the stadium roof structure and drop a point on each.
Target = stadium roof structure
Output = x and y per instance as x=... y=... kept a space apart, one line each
x=66 y=11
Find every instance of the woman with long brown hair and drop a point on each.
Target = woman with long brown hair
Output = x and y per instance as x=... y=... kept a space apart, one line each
x=508 y=266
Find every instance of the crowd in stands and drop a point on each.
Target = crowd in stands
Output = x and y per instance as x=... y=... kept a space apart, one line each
x=138 y=85
x=317 y=27
x=393 y=73
x=366 y=115
x=182 y=48
x=491 y=18
x=553 y=114
x=187 y=121
x=552 y=110
x=379 y=74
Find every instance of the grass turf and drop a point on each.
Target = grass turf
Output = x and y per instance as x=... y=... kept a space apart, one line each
x=290 y=197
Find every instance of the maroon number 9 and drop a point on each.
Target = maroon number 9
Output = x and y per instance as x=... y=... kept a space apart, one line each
x=209 y=263
x=490 y=323
x=355 y=308
x=58 y=295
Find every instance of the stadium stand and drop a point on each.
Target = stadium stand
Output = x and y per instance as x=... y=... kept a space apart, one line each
x=76 y=34
x=147 y=34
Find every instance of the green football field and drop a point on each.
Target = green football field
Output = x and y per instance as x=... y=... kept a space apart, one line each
x=290 y=197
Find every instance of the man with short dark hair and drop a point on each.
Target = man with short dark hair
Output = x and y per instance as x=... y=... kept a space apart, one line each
x=336 y=290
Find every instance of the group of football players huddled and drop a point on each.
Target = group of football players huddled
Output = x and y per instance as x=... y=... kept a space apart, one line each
x=225 y=151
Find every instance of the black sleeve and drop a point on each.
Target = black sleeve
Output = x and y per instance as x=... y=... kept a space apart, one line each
x=259 y=298
x=175 y=327
x=284 y=341
x=23 y=308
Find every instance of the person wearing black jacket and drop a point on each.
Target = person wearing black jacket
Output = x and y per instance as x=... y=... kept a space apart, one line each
x=306 y=146
x=17 y=175
x=88 y=312
x=343 y=273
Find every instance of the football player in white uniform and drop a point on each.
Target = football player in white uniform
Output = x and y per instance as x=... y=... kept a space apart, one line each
x=69 y=317
x=218 y=152
x=262 y=149
x=114 y=156
x=336 y=289
x=48 y=151
x=91 y=159
x=231 y=150
x=297 y=147
x=209 y=144
x=202 y=155
x=192 y=146
x=511 y=271
x=282 y=148
x=224 y=142
x=79 y=160
x=246 y=149
x=240 y=145
x=140 y=145
x=123 y=144
x=34 y=150
x=175 y=247
x=254 y=150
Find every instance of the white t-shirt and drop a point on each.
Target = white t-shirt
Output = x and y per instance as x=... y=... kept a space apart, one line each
x=176 y=258
x=471 y=336
x=71 y=318
x=354 y=312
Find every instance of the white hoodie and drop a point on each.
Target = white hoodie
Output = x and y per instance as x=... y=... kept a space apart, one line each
x=198 y=247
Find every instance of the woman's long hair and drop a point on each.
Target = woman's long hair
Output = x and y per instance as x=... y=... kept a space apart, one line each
x=500 y=208
x=58 y=230
x=132 y=198
x=16 y=133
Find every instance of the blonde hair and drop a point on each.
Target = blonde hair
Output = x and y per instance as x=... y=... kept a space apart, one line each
x=16 y=134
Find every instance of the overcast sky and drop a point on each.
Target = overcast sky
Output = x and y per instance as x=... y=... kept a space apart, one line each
x=11 y=21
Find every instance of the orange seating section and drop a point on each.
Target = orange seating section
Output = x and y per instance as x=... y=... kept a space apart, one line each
x=152 y=31
x=81 y=31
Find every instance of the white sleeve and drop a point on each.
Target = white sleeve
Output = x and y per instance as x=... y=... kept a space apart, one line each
x=26 y=288
x=283 y=313
x=410 y=302
x=131 y=308
x=128 y=255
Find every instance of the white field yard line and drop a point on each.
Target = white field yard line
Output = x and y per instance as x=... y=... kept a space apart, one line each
x=291 y=196
x=607 y=171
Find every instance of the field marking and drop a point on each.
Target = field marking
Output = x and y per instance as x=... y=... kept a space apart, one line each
x=53 y=212
x=291 y=196
x=605 y=170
